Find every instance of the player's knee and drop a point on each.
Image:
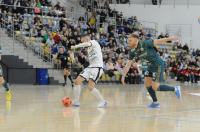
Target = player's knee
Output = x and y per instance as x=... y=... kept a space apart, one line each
x=155 y=86
x=147 y=83
x=77 y=81
x=91 y=85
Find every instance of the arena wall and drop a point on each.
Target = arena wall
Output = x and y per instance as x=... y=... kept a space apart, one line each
x=167 y=15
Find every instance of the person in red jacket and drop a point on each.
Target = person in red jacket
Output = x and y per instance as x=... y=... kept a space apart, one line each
x=57 y=38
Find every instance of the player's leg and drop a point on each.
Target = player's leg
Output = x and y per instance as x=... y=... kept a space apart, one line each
x=162 y=87
x=148 y=85
x=95 y=92
x=7 y=89
x=77 y=90
x=70 y=77
x=158 y=77
x=65 y=76
x=152 y=93
x=95 y=74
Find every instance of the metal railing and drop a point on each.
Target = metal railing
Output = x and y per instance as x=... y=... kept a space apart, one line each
x=163 y=2
x=10 y=31
x=149 y=27
x=22 y=34
x=183 y=31
x=44 y=10
x=23 y=37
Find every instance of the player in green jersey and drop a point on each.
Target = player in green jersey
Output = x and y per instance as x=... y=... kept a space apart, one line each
x=144 y=50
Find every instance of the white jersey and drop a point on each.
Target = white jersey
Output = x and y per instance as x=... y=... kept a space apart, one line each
x=95 y=54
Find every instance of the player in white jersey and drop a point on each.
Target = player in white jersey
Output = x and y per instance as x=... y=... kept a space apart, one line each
x=92 y=73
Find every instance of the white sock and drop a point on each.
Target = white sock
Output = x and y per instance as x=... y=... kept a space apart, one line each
x=97 y=94
x=77 y=93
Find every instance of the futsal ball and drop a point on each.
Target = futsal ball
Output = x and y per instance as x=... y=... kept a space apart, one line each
x=67 y=101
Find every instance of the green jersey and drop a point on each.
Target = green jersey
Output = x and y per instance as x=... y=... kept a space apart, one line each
x=145 y=51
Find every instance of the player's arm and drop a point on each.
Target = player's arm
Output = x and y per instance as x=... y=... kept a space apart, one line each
x=165 y=40
x=125 y=70
x=82 y=45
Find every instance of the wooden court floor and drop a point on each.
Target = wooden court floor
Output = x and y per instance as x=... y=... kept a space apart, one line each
x=39 y=109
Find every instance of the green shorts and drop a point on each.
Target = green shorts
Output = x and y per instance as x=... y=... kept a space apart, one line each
x=156 y=72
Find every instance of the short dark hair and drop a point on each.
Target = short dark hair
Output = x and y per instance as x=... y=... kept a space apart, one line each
x=134 y=35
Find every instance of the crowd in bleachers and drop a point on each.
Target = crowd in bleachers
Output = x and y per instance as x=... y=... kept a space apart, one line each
x=186 y=66
x=39 y=7
x=51 y=33
x=52 y=30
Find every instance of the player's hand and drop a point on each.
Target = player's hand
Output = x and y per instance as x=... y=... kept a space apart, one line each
x=123 y=80
x=173 y=38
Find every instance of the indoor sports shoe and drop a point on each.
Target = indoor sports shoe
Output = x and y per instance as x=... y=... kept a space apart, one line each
x=76 y=104
x=64 y=84
x=8 y=95
x=154 y=105
x=178 y=92
x=102 y=104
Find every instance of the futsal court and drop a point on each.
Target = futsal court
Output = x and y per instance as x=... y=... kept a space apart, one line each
x=39 y=109
x=48 y=48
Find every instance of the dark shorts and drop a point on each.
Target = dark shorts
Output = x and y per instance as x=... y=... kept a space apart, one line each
x=156 y=72
x=66 y=66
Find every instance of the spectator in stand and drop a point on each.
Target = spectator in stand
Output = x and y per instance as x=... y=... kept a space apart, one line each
x=84 y=27
x=179 y=46
x=57 y=38
x=130 y=20
x=119 y=64
x=186 y=48
x=57 y=6
x=110 y=68
x=55 y=31
x=123 y=39
x=102 y=17
x=103 y=40
x=50 y=41
x=161 y=36
x=133 y=75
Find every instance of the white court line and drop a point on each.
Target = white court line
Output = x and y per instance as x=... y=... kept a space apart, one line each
x=195 y=94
